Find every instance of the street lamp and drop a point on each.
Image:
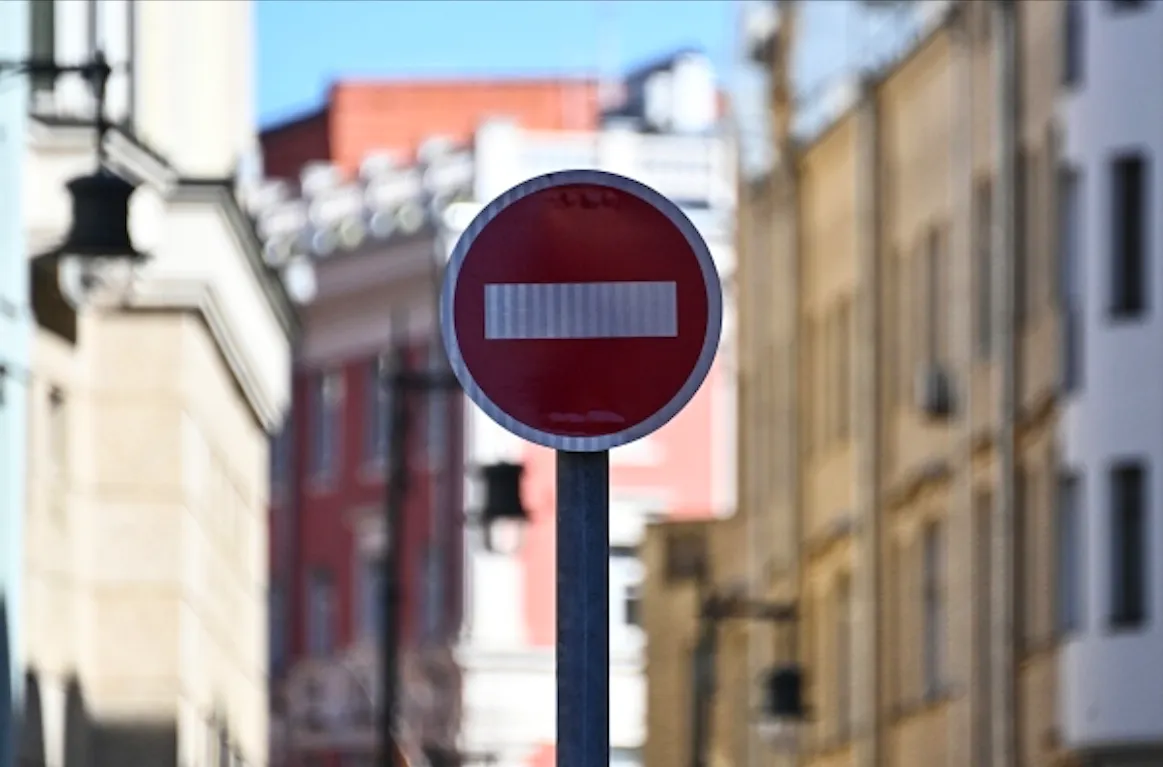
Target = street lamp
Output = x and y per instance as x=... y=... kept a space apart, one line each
x=783 y=711
x=503 y=518
x=96 y=262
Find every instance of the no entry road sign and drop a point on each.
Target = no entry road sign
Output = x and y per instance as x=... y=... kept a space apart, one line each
x=581 y=310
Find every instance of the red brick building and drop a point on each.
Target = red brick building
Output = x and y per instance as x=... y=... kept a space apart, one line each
x=361 y=119
x=328 y=485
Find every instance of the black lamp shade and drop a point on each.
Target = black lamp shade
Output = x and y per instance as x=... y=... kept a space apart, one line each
x=100 y=226
x=503 y=493
x=784 y=694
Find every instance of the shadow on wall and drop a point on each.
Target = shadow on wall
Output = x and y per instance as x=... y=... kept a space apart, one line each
x=90 y=743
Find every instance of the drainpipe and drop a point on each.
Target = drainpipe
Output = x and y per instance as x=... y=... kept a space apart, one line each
x=785 y=195
x=961 y=565
x=865 y=401
x=1002 y=655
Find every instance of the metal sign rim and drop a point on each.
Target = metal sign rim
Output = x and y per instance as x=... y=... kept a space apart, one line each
x=698 y=372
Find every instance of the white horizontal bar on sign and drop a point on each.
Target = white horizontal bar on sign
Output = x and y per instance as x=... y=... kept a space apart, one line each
x=538 y=311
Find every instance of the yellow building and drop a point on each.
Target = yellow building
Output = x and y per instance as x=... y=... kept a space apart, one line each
x=877 y=447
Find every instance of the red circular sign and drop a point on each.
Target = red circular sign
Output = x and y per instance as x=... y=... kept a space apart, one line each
x=581 y=310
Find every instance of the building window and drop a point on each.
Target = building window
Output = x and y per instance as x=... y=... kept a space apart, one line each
x=278 y=636
x=983 y=256
x=438 y=404
x=432 y=585
x=1127 y=5
x=890 y=306
x=42 y=18
x=933 y=612
x=327 y=417
x=982 y=587
x=936 y=319
x=1069 y=562
x=1070 y=278
x=632 y=606
x=843 y=607
x=377 y=425
x=625 y=594
x=1128 y=222
x=1128 y=545
x=370 y=616
x=842 y=368
x=1072 y=43
x=280 y=459
x=320 y=612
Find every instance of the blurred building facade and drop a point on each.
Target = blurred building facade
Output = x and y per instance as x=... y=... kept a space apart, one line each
x=968 y=560
x=666 y=129
x=144 y=553
x=363 y=257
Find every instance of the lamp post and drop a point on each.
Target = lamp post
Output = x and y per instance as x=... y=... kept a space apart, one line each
x=96 y=261
x=502 y=519
x=783 y=710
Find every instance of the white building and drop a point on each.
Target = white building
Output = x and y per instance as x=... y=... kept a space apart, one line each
x=1112 y=452
x=142 y=631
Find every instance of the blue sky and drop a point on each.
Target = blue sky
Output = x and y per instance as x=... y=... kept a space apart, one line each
x=305 y=44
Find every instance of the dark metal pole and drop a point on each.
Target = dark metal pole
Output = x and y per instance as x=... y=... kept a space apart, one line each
x=583 y=609
x=395 y=494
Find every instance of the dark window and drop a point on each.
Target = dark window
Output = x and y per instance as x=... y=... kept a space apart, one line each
x=1023 y=604
x=1021 y=236
x=278 y=630
x=378 y=401
x=933 y=613
x=1128 y=545
x=42 y=20
x=1127 y=5
x=327 y=416
x=983 y=254
x=1070 y=277
x=1069 y=560
x=632 y=606
x=983 y=584
x=1128 y=223
x=844 y=657
x=1072 y=43
x=320 y=612
x=281 y=459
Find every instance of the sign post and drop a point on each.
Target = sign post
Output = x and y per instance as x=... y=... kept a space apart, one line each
x=581 y=311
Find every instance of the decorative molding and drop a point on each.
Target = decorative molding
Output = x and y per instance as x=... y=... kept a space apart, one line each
x=199 y=294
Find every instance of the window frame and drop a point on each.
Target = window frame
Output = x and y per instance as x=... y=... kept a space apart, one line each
x=1130 y=592
x=1070 y=206
x=378 y=399
x=320 y=616
x=1070 y=555
x=327 y=410
x=1073 y=44
x=932 y=612
x=1129 y=274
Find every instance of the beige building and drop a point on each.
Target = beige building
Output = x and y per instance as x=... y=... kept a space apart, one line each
x=144 y=609
x=872 y=435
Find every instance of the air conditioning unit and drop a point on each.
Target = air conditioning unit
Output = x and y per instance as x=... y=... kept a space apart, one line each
x=934 y=391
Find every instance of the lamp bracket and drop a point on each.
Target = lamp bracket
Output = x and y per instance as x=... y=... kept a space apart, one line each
x=718 y=608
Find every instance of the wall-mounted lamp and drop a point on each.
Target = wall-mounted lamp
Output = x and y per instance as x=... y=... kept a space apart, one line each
x=503 y=517
x=783 y=711
x=96 y=262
